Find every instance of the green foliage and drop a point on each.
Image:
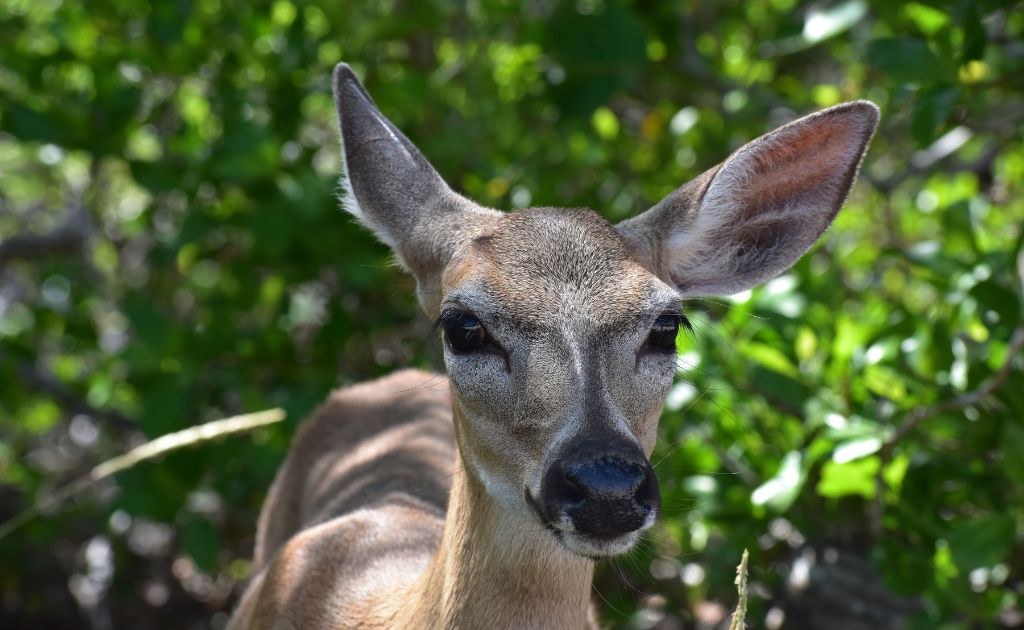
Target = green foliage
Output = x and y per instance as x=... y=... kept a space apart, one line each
x=178 y=163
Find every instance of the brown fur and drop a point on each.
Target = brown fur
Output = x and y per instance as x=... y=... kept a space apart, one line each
x=354 y=521
x=373 y=463
x=403 y=506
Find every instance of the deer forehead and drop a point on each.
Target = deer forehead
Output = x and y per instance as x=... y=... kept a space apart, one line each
x=541 y=266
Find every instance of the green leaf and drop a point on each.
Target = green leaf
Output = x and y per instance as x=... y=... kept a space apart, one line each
x=854 y=478
x=606 y=124
x=885 y=382
x=975 y=39
x=931 y=111
x=771 y=358
x=845 y=429
x=201 y=541
x=40 y=416
x=907 y=60
x=822 y=23
x=981 y=541
x=926 y=18
x=779 y=492
x=896 y=471
x=994 y=296
x=855 y=449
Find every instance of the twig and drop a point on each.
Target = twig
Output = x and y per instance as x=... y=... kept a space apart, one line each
x=968 y=399
x=191 y=436
x=739 y=616
x=925 y=161
x=919 y=415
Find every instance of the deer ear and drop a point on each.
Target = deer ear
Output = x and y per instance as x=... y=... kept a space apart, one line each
x=753 y=216
x=395 y=192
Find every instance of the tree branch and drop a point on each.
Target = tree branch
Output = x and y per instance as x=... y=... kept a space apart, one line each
x=916 y=417
x=49 y=384
x=192 y=436
x=68 y=237
x=968 y=399
x=919 y=415
x=924 y=160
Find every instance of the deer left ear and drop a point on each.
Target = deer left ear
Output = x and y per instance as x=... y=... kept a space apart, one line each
x=395 y=192
x=753 y=216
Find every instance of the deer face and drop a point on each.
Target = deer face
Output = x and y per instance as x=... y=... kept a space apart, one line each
x=559 y=328
x=560 y=349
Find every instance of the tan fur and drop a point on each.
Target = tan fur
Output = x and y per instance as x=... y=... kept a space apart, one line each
x=372 y=465
x=327 y=557
x=412 y=501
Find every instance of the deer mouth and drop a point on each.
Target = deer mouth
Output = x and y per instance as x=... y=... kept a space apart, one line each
x=591 y=545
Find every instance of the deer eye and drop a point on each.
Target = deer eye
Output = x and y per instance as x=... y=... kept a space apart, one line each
x=463 y=332
x=664 y=330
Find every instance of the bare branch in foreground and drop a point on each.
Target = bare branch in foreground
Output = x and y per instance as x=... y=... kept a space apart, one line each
x=162 y=445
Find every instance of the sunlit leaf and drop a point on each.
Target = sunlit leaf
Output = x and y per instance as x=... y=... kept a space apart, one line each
x=855 y=477
x=779 y=492
x=827 y=22
x=855 y=449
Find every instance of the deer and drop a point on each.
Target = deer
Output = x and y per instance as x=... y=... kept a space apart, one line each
x=485 y=503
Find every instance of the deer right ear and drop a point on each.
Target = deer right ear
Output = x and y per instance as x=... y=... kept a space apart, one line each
x=395 y=192
x=753 y=216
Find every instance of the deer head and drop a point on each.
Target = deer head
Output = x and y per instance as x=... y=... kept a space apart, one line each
x=559 y=328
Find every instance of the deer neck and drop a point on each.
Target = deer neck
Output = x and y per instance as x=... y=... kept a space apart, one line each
x=494 y=570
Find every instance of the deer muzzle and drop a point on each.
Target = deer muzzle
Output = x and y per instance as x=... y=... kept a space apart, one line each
x=604 y=489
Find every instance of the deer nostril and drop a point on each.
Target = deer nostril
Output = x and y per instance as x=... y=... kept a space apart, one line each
x=647 y=493
x=573 y=491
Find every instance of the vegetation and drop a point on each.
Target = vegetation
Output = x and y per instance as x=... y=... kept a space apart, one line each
x=171 y=252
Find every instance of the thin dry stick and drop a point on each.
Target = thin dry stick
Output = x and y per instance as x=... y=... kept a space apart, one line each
x=191 y=436
x=739 y=617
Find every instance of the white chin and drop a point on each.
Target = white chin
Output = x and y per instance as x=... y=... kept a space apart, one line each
x=599 y=547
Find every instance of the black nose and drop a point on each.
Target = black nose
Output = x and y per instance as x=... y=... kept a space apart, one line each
x=605 y=491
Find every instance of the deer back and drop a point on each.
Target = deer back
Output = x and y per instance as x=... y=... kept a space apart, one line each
x=357 y=508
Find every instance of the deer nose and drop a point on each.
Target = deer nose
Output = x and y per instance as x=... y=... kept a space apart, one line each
x=604 y=495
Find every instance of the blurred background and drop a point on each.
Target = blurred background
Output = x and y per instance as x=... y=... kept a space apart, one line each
x=172 y=252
